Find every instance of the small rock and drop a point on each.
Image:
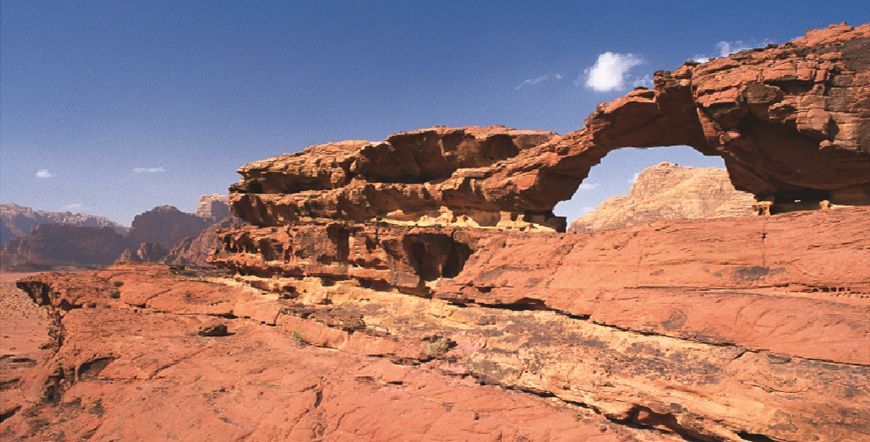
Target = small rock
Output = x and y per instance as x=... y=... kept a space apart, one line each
x=213 y=329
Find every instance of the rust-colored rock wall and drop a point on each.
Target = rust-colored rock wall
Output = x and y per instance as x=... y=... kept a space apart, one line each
x=691 y=329
x=417 y=287
x=792 y=122
x=750 y=328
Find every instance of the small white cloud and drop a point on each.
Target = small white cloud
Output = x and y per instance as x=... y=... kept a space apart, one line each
x=633 y=178
x=726 y=48
x=645 y=81
x=588 y=186
x=538 y=80
x=73 y=206
x=44 y=173
x=610 y=71
x=586 y=209
x=149 y=170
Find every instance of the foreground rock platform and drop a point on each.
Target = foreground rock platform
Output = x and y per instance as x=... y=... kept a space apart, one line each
x=128 y=362
x=658 y=342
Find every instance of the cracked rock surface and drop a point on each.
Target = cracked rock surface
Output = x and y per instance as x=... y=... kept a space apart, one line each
x=684 y=346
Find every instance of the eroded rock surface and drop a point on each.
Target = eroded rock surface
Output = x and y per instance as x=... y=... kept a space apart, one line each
x=213 y=207
x=748 y=328
x=196 y=250
x=792 y=123
x=669 y=191
x=403 y=179
x=689 y=329
x=416 y=288
x=266 y=378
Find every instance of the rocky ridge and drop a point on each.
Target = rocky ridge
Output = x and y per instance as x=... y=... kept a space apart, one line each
x=163 y=234
x=790 y=121
x=669 y=191
x=677 y=326
x=18 y=221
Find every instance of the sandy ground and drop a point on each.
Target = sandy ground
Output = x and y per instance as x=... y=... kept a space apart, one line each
x=23 y=337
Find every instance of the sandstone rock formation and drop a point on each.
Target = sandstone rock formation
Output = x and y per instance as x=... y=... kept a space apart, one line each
x=694 y=328
x=706 y=337
x=165 y=226
x=669 y=191
x=64 y=245
x=195 y=250
x=417 y=288
x=161 y=234
x=213 y=207
x=792 y=123
x=144 y=252
x=136 y=367
x=409 y=177
x=18 y=221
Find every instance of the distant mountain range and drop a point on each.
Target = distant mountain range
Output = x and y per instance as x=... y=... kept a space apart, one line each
x=669 y=191
x=35 y=239
x=18 y=221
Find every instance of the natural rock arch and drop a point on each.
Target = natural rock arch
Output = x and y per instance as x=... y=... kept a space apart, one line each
x=790 y=122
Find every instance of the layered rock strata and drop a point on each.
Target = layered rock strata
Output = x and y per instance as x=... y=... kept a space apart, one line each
x=698 y=329
x=265 y=378
x=403 y=179
x=690 y=329
x=791 y=122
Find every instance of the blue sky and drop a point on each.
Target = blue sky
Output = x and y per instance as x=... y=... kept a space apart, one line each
x=114 y=107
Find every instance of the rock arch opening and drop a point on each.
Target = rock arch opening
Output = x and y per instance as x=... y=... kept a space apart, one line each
x=632 y=186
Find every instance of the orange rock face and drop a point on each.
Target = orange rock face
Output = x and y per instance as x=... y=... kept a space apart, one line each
x=697 y=329
x=792 y=123
x=685 y=329
x=106 y=378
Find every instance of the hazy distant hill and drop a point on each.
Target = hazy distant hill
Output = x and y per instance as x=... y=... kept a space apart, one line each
x=669 y=191
x=18 y=221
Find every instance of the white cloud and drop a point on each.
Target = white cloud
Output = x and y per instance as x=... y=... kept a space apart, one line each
x=149 y=170
x=588 y=186
x=610 y=71
x=587 y=209
x=537 y=80
x=633 y=178
x=645 y=81
x=43 y=173
x=726 y=48
x=73 y=206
